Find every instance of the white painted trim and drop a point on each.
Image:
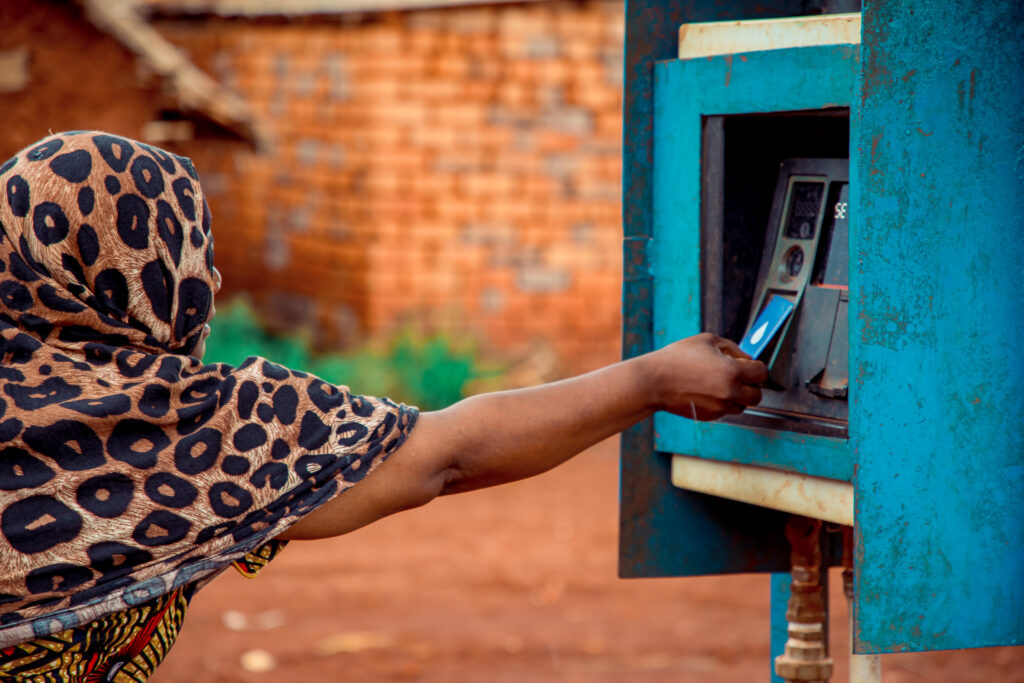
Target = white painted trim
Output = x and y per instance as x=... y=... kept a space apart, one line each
x=731 y=37
x=824 y=499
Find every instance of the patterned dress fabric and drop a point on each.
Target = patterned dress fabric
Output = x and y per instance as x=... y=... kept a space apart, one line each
x=124 y=647
x=130 y=472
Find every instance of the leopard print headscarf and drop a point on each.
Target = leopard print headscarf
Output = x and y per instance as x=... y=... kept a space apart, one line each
x=129 y=468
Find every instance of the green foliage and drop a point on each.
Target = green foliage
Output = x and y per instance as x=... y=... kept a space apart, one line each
x=429 y=371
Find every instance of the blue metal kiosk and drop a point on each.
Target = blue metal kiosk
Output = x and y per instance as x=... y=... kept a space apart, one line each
x=899 y=377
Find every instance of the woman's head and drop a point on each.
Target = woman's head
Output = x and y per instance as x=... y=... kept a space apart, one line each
x=105 y=239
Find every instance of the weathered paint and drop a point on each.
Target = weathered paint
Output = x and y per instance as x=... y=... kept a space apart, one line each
x=658 y=520
x=780 y=592
x=936 y=423
x=937 y=319
x=818 y=456
x=685 y=90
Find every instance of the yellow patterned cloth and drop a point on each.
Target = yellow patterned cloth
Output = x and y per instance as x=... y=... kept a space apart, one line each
x=124 y=647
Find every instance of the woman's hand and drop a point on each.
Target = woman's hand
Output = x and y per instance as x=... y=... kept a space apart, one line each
x=703 y=378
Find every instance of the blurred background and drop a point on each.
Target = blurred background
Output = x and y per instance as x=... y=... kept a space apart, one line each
x=376 y=171
x=419 y=201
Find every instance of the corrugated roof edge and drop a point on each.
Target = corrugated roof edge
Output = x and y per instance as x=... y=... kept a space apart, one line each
x=195 y=90
x=251 y=9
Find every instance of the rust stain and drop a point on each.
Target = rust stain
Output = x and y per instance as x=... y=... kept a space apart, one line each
x=924 y=134
x=874 y=154
x=907 y=76
x=973 y=82
x=728 y=70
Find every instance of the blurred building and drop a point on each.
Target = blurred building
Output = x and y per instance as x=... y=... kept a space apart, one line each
x=458 y=167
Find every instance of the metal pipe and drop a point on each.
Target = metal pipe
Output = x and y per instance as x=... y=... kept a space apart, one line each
x=805 y=658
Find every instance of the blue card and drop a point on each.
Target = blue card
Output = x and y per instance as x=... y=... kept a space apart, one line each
x=766 y=326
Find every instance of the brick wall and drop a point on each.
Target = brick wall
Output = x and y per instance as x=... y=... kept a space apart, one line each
x=460 y=167
x=76 y=77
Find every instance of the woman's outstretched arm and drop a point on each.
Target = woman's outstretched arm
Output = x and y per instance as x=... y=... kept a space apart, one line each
x=508 y=435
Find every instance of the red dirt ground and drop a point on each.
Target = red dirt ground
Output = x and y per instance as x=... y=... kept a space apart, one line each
x=512 y=584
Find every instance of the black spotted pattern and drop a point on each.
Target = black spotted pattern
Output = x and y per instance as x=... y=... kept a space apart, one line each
x=50 y=223
x=249 y=437
x=101 y=406
x=106 y=495
x=113 y=559
x=117 y=152
x=71 y=444
x=86 y=200
x=61 y=576
x=161 y=527
x=155 y=400
x=137 y=442
x=37 y=523
x=88 y=244
x=313 y=433
x=228 y=499
x=186 y=196
x=20 y=470
x=133 y=221
x=127 y=466
x=167 y=489
x=18 y=195
x=15 y=295
x=149 y=180
x=198 y=452
x=285 y=402
x=73 y=167
x=111 y=289
x=45 y=150
x=170 y=230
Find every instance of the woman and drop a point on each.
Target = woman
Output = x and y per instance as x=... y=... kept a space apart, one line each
x=131 y=473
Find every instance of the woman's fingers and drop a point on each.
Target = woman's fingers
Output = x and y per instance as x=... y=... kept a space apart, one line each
x=705 y=377
x=705 y=409
x=733 y=408
x=748 y=395
x=752 y=372
x=731 y=348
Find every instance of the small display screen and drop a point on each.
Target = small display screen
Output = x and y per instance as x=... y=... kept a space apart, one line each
x=804 y=206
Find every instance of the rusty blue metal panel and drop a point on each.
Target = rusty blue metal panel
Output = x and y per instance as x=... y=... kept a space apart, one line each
x=799 y=79
x=654 y=514
x=937 y=292
x=780 y=591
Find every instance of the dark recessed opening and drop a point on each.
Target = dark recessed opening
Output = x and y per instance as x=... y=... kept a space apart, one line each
x=741 y=159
